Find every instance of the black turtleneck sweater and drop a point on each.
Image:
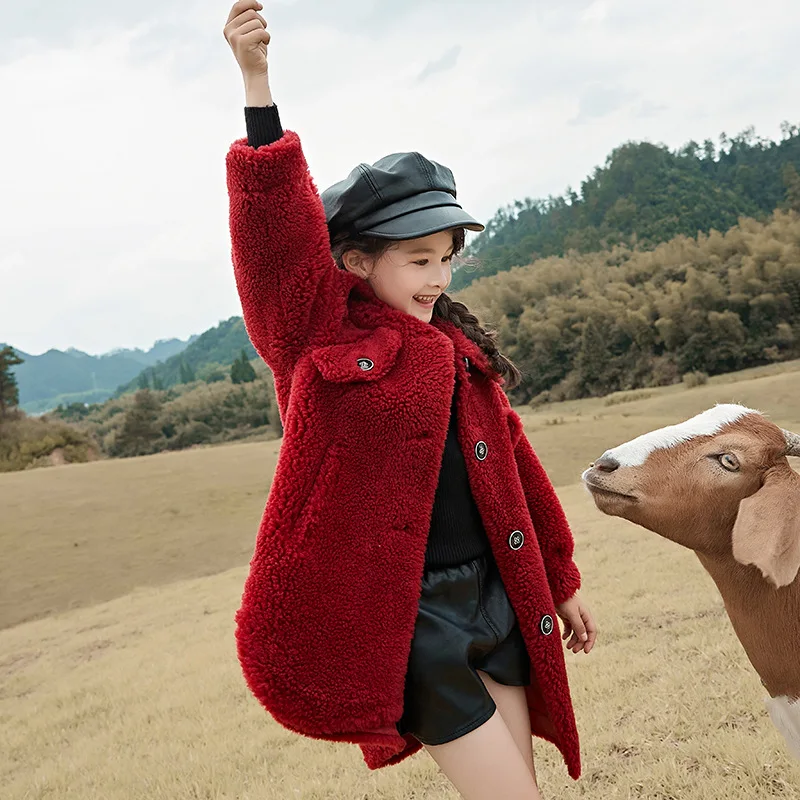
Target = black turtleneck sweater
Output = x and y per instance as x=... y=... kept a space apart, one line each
x=456 y=532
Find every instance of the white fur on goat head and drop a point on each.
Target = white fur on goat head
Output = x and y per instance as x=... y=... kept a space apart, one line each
x=717 y=483
x=635 y=452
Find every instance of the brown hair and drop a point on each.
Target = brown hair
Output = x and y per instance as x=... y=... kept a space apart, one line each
x=445 y=307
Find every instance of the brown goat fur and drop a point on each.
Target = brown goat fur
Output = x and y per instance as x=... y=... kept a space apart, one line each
x=721 y=485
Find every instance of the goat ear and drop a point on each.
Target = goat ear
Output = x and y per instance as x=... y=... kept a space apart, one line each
x=767 y=528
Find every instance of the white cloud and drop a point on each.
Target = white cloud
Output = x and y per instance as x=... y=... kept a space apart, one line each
x=447 y=61
x=596 y=12
x=113 y=214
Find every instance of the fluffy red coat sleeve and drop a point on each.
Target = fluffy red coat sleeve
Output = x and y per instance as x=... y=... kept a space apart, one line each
x=549 y=522
x=280 y=248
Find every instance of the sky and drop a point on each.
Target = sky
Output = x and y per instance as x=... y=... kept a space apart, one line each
x=118 y=116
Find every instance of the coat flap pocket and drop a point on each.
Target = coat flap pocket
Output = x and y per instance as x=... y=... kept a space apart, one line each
x=365 y=359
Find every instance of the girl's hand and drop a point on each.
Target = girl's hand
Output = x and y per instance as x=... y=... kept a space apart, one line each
x=246 y=33
x=579 y=622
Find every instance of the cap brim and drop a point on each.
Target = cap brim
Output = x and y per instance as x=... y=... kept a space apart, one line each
x=416 y=216
x=424 y=223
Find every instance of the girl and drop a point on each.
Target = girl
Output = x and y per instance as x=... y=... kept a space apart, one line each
x=412 y=551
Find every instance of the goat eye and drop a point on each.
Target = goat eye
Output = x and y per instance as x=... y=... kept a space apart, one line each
x=729 y=462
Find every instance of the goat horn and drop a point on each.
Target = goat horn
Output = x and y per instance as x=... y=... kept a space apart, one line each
x=792 y=443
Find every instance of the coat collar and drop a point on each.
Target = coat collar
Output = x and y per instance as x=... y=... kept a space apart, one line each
x=374 y=312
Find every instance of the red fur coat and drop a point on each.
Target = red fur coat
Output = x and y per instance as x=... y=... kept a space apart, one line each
x=364 y=391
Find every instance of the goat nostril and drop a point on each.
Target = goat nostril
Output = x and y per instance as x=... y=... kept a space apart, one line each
x=606 y=464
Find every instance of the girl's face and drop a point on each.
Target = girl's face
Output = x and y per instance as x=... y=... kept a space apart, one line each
x=408 y=273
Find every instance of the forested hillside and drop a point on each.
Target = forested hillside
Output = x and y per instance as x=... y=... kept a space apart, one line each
x=643 y=195
x=239 y=405
x=591 y=324
x=208 y=358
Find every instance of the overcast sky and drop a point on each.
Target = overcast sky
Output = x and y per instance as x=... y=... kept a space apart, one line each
x=117 y=118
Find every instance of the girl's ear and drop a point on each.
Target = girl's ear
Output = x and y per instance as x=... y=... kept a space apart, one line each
x=767 y=528
x=355 y=261
x=352 y=261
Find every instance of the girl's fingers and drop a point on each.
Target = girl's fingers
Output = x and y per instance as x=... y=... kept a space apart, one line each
x=591 y=629
x=242 y=19
x=241 y=6
x=258 y=35
x=253 y=32
x=579 y=627
x=249 y=27
x=243 y=24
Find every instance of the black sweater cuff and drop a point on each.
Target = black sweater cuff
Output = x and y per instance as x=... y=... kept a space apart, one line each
x=263 y=125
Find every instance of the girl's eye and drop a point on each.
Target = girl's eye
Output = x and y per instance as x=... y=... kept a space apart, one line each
x=423 y=261
x=729 y=462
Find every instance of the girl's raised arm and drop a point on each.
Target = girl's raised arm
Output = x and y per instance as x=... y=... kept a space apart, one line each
x=280 y=249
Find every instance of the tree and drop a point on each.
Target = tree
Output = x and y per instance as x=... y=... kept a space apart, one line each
x=791 y=181
x=144 y=382
x=73 y=411
x=593 y=357
x=186 y=372
x=140 y=429
x=242 y=370
x=212 y=373
x=9 y=391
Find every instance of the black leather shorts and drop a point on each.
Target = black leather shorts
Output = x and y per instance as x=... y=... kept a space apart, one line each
x=465 y=623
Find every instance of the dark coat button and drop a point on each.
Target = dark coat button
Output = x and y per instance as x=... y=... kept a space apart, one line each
x=466 y=362
x=546 y=625
x=516 y=540
x=481 y=449
x=365 y=364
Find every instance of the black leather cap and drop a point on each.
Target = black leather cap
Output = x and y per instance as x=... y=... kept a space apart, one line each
x=400 y=196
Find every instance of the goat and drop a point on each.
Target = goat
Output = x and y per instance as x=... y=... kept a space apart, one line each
x=721 y=485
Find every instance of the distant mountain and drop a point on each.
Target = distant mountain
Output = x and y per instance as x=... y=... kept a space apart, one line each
x=206 y=358
x=160 y=351
x=74 y=376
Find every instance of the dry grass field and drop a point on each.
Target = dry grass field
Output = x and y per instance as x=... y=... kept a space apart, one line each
x=119 y=679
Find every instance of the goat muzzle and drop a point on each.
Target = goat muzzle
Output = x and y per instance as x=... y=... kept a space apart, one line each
x=792 y=443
